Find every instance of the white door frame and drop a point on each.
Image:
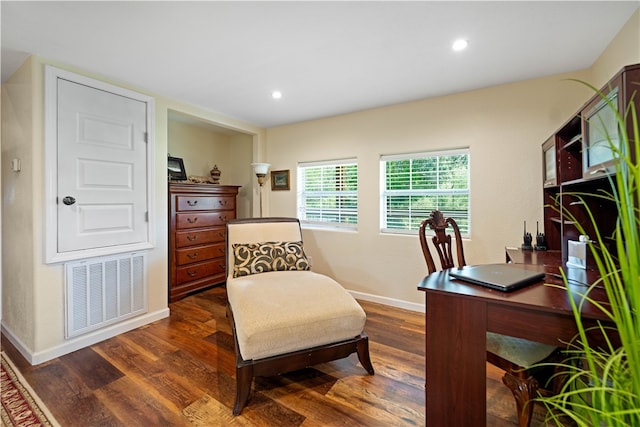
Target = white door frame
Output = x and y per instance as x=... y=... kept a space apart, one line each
x=52 y=255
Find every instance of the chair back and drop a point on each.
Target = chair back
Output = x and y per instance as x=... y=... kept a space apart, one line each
x=260 y=230
x=441 y=241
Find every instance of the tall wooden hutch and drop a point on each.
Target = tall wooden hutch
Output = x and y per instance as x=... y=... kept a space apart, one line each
x=577 y=160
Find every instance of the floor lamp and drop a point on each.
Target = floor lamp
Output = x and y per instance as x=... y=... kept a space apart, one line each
x=261 y=170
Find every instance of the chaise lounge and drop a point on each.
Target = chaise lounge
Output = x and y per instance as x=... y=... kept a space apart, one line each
x=284 y=316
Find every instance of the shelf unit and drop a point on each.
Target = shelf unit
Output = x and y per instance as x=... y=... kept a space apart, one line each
x=577 y=182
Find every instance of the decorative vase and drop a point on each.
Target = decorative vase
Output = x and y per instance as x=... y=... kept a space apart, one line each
x=215 y=174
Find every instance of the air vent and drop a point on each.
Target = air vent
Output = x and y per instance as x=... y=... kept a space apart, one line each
x=103 y=291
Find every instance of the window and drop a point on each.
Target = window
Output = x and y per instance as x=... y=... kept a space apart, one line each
x=328 y=193
x=413 y=185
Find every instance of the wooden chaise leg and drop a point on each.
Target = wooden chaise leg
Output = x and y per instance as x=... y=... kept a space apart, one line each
x=362 y=348
x=244 y=378
x=524 y=390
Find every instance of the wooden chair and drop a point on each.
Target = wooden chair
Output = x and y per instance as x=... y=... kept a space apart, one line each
x=514 y=355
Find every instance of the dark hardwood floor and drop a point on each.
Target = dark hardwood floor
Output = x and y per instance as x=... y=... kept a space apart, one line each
x=180 y=371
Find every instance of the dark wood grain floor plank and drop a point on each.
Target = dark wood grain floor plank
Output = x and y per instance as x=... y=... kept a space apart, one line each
x=133 y=405
x=180 y=371
x=92 y=368
x=68 y=398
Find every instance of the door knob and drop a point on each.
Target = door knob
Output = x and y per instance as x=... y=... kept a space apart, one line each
x=68 y=200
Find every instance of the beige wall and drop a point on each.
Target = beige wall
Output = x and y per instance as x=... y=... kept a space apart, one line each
x=623 y=50
x=503 y=127
x=202 y=146
x=240 y=173
x=18 y=305
x=32 y=291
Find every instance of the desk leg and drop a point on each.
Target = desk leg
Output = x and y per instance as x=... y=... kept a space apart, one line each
x=456 y=355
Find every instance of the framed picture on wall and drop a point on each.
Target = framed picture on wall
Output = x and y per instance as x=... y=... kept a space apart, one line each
x=176 y=169
x=280 y=180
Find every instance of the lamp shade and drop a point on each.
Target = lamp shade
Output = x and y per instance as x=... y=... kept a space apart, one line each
x=260 y=168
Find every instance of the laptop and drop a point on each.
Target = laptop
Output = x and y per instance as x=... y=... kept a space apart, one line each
x=503 y=277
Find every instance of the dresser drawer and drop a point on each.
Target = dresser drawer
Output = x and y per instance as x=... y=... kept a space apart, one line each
x=198 y=214
x=199 y=253
x=200 y=237
x=200 y=270
x=205 y=203
x=203 y=219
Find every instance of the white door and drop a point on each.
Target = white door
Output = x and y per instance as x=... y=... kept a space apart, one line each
x=102 y=168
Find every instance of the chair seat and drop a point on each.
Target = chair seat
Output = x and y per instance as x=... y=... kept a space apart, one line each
x=517 y=350
x=284 y=311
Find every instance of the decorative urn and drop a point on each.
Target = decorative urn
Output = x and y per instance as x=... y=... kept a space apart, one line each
x=215 y=174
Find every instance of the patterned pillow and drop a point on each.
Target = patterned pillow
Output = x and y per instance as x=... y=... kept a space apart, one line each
x=254 y=258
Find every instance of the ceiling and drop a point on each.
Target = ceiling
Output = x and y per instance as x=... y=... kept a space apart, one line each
x=327 y=58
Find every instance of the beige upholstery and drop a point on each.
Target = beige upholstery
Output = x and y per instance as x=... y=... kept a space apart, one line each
x=284 y=311
x=285 y=317
x=519 y=351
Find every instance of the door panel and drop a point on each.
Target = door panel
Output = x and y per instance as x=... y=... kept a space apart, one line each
x=106 y=219
x=98 y=174
x=102 y=165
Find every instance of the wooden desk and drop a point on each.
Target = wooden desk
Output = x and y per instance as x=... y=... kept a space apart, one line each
x=459 y=315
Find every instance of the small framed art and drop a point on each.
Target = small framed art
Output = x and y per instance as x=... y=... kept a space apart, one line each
x=176 y=169
x=280 y=180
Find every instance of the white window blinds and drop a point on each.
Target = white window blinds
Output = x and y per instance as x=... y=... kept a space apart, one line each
x=413 y=185
x=328 y=193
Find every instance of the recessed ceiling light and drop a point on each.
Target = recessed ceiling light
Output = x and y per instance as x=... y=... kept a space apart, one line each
x=460 y=44
x=276 y=94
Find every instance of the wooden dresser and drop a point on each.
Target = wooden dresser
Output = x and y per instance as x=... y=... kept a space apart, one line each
x=197 y=246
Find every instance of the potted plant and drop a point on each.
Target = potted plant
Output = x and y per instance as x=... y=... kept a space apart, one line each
x=602 y=386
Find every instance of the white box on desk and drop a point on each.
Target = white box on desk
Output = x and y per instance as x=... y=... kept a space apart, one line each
x=577 y=254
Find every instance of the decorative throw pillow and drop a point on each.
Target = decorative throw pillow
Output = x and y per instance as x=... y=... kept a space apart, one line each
x=254 y=258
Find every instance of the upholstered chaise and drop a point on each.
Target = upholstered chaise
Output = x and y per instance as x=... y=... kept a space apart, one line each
x=285 y=317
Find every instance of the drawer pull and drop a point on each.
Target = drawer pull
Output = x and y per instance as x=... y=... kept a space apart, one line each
x=220 y=234
x=222 y=202
x=193 y=255
x=192 y=273
x=221 y=251
x=192 y=202
x=223 y=218
x=192 y=220
x=192 y=238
